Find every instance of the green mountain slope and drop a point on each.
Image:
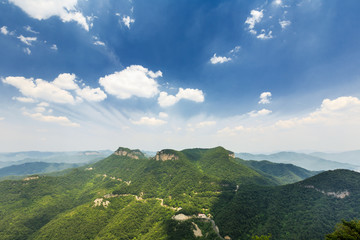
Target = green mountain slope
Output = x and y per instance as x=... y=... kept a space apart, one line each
x=304 y=210
x=124 y=196
x=174 y=195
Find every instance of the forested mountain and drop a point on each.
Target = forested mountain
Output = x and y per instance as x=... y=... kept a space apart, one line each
x=174 y=195
x=305 y=210
x=312 y=163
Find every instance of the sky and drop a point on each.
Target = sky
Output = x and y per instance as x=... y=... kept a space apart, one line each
x=251 y=76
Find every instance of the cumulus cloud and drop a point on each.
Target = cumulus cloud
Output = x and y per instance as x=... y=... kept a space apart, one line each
x=265 y=98
x=43 y=9
x=91 y=94
x=135 y=80
x=40 y=89
x=127 y=21
x=263 y=35
x=64 y=121
x=261 y=112
x=284 y=24
x=149 y=121
x=4 y=30
x=66 y=81
x=340 y=110
x=27 y=40
x=218 y=59
x=166 y=100
x=255 y=17
x=195 y=95
x=56 y=91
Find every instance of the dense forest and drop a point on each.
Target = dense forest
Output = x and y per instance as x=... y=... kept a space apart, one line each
x=189 y=194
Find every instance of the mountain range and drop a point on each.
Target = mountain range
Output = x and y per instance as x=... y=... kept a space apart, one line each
x=313 y=162
x=189 y=194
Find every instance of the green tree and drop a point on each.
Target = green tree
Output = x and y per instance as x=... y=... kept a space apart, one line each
x=346 y=231
x=262 y=237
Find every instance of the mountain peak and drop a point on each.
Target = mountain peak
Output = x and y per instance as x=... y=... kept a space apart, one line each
x=126 y=152
x=167 y=154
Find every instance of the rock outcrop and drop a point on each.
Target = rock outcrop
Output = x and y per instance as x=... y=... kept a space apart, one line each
x=165 y=155
x=231 y=154
x=126 y=152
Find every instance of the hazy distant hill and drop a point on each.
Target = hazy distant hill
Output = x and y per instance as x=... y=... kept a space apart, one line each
x=306 y=161
x=16 y=158
x=35 y=168
x=284 y=173
x=351 y=157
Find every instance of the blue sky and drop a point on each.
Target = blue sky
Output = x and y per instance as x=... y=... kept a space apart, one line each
x=252 y=76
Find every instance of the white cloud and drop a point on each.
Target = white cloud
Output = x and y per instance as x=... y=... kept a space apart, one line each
x=255 y=17
x=4 y=30
x=27 y=51
x=149 y=121
x=163 y=115
x=27 y=40
x=166 y=100
x=29 y=29
x=24 y=99
x=195 y=95
x=56 y=91
x=66 y=81
x=54 y=47
x=40 y=89
x=263 y=35
x=135 y=80
x=265 y=98
x=284 y=23
x=64 y=121
x=342 y=110
x=261 y=112
x=99 y=43
x=127 y=21
x=218 y=59
x=44 y=9
x=91 y=94
x=2 y=118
